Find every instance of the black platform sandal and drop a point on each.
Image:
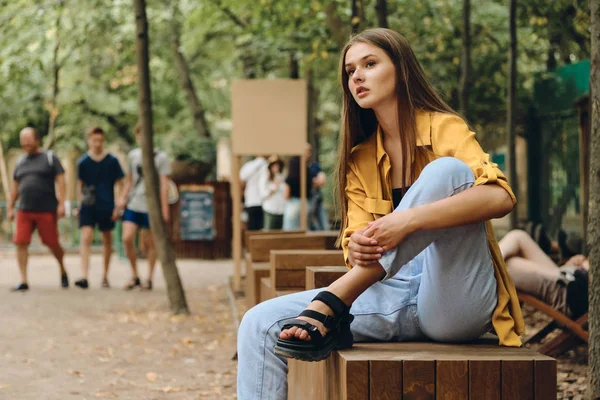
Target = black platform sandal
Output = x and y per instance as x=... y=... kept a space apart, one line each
x=319 y=347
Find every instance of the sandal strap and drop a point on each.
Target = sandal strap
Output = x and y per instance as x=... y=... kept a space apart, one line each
x=338 y=307
x=312 y=330
x=328 y=321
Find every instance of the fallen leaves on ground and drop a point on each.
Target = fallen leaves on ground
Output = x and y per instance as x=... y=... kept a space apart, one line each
x=151 y=376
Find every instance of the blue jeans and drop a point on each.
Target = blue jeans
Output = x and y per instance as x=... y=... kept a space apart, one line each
x=292 y=214
x=439 y=285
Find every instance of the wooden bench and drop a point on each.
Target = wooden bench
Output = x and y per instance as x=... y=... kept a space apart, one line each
x=408 y=370
x=288 y=267
x=482 y=370
x=258 y=255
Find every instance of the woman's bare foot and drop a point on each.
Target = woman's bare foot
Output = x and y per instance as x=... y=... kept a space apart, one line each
x=300 y=333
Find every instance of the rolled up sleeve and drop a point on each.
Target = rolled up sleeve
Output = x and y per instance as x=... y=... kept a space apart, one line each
x=358 y=217
x=451 y=136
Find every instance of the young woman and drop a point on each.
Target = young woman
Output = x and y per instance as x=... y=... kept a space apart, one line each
x=416 y=193
x=272 y=187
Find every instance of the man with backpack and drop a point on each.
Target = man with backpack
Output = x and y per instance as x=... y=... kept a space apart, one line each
x=34 y=179
x=98 y=172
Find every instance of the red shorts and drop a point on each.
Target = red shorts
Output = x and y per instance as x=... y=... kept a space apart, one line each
x=45 y=222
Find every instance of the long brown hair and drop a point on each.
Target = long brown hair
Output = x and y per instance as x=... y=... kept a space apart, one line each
x=413 y=91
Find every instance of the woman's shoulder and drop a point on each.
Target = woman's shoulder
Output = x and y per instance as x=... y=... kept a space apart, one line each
x=445 y=120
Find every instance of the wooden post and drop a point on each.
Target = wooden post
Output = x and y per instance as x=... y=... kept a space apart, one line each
x=236 y=198
x=303 y=194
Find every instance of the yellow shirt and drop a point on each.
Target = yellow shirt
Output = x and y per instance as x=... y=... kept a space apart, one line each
x=369 y=196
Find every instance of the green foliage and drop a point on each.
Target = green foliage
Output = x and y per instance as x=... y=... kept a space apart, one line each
x=193 y=148
x=225 y=40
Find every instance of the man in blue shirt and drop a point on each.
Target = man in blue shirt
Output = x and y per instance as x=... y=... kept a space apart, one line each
x=98 y=172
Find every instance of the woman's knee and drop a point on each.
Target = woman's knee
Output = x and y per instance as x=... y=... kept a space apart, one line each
x=256 y=319
x=444 y=167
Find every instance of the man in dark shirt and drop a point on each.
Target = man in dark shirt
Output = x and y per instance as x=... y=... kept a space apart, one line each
x=97 y=172
x=33 y=184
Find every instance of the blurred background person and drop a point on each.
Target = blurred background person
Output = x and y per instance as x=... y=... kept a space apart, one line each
x=250 y=174
x=272 y=191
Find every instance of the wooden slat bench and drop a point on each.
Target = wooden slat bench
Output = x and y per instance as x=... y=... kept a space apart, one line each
x=258 y=255
x=408 y=370
x=482 y=370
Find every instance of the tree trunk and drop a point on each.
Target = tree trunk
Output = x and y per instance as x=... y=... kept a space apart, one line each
x=185 y=79
x=357 y=15
x=338 y=30
x=511 y=109
x=594 y=207
x=465 y=75
x=294 y=67
x=53 y=107
x=164 y=248
x=381 y=9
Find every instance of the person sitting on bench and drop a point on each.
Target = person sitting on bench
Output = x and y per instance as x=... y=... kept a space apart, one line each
x=416 y=193
x=564 y=288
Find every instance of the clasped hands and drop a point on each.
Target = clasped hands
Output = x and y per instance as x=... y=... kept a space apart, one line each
x=367 y=245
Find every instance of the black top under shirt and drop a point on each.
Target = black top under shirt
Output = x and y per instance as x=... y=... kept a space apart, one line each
x=397 y=196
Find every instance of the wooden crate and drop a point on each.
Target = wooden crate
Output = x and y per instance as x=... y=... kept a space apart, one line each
x=425 y=371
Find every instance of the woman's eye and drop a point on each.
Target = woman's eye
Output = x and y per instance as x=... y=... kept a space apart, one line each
x=370 y=64
x=350 y=72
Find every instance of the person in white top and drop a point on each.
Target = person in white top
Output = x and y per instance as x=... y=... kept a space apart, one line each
x=250 y=174
x=272 y=189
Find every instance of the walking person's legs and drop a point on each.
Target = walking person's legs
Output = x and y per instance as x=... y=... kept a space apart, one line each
x=22 y=256
x=130 y=230
x=148 y=239
x=24 y=229
x=107 y=250
x=86 y=235
x=47 y=226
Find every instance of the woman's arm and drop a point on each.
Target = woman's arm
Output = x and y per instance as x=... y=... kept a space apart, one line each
x=476 y=204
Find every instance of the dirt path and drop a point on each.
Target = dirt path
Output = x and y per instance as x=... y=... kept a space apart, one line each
x=60 y=344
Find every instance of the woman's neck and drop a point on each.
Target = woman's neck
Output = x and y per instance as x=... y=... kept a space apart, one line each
x=387 y=117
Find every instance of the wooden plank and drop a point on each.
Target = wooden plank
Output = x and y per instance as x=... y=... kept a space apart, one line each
x=266 y=290
x=484 y=380
x=288 y=266
x=300 y=259
x=236 y=201
x=249 y=234
x=428 y=351
x=544 y=379
x=517 y=380
x=319 y=277
x=348 y=379
x=256 y=271
x=452 y=380
x=385 y=380
x=418 y=379
x=261 y=246
x=307 y=380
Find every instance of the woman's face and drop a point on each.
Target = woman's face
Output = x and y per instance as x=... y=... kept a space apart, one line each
x=275 y=168
x=371 y=75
